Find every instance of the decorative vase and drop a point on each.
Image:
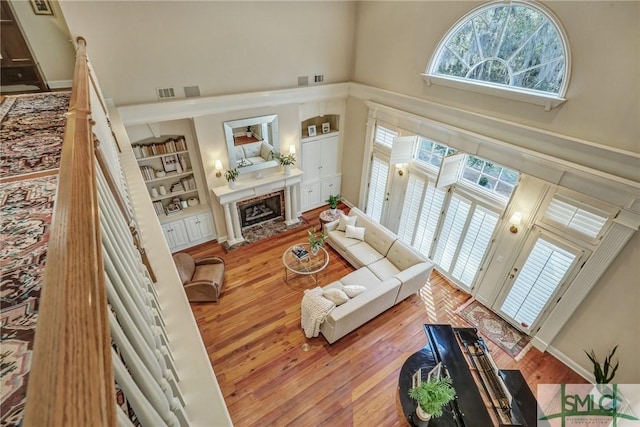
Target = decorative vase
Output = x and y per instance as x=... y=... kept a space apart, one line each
x=333 y=211
x=315 y=250
x=154 y=192
x=232 y=184
x=287 y=169
x=422 y=415
x=163 y=190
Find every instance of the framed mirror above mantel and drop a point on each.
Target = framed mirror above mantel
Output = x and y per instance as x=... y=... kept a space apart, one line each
x=251 y=143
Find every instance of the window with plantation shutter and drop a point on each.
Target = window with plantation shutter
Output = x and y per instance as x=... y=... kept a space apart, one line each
x=475 y=243
x=544 y=269
x=411 y=208
x=385 y=136
x=377 y=188
x=429 y=218
x=452 y=230
x=575 y=216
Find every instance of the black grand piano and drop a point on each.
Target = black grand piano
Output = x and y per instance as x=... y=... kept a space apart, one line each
x=486 y=395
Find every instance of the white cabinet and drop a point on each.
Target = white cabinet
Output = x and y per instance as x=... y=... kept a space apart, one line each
x=199 y=227
x=175 y=234
x=320 y=164
x=188 y=231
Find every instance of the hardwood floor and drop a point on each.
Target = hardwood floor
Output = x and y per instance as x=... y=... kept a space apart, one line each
x=254 y=340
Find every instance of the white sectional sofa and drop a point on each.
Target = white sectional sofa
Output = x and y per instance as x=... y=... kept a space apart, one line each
x=253 y=153
x=389 y=270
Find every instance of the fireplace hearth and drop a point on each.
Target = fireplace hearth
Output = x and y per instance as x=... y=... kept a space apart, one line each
x=260 y=209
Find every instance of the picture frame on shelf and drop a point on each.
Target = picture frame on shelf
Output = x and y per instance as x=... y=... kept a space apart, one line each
x=41 y=7
x=170 y=163
x=312 y=130
x=326 y=127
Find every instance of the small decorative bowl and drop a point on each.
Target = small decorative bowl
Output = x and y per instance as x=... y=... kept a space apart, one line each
x=160 y=174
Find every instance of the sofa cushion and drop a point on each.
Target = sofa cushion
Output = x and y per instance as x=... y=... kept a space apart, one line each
x=364 y=253
x=353 y=291
x=361 y=277
x=354 y=232
x=266 y=151
x=346 y=220
x=340 y=241
x=335 y=295
x=403 y=256
x=383 y=269
x=239 y=152
x=375 y=235
x=252 y=149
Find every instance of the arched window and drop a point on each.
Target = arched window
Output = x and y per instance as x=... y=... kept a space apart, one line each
x=518 y=48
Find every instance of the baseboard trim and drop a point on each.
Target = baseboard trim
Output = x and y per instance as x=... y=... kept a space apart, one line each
x=570 y=363
x=60 y=84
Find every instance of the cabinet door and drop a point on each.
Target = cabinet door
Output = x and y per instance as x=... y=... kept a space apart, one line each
x=311 y=161
x=330 y=186
x=167 y=230
x=192 y=224
x=180 y=233
x=329 y=154
x=199 y=226
x=311 y=196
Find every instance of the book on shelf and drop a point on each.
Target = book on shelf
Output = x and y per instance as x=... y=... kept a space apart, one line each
x=300 y=252
x=169 y=146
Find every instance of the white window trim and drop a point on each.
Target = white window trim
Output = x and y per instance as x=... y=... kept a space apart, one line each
x=549 y=102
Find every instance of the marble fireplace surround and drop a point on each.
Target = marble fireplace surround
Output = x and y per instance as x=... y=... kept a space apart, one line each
x=249 y=189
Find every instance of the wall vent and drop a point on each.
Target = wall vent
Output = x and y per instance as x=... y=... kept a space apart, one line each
x=318 y=78
x=303 y=81
x=164 y=93
x=191 y=91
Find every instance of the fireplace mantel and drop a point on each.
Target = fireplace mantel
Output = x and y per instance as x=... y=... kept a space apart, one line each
x=247 y=189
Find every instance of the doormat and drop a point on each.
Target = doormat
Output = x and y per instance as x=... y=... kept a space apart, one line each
x=501 y=333
x=262 y=231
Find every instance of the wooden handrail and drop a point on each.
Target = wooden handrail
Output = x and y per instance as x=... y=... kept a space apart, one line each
x=71 y=380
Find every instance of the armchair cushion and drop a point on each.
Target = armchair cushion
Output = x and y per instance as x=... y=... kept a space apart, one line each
x=202 y=279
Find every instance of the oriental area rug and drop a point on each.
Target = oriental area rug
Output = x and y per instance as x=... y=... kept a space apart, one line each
x=491 y=326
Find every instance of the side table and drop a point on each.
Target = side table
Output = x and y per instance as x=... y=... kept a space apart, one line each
x=327 y=216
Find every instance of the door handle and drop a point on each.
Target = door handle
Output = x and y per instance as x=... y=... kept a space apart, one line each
x=511 y=276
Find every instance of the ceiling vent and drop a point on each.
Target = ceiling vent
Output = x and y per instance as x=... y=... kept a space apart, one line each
x=166 y=93
x=191 y=91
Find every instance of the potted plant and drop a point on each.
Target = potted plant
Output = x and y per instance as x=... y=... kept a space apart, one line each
x=286 y=160
x=249 y=132
x=604 y=373
x=316 y=240
x=431 y=396
x=231 y=176
x=333 y=203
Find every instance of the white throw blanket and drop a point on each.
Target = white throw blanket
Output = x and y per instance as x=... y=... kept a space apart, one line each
x=314 y=309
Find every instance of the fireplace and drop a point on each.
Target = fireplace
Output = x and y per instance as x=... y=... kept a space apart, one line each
x=260 y=209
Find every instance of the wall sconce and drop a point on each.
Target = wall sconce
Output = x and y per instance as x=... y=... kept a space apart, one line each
x=400 y=168
x=515 y=221
x=218 y=167
x=292 y=149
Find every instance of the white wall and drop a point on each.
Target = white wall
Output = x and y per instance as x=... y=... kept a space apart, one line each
x=50 y=41
x=395 y=41
x=224 y=47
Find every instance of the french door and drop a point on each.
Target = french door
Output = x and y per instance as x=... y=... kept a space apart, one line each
x=378 y=195
x=464 y=238
x=537 y=279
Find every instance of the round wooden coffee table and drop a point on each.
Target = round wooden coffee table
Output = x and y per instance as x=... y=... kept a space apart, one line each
x=306 y=263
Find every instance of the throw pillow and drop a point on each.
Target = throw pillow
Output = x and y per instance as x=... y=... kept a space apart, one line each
x=353 y=290
x=336 y=296
x=354 y=232
x=346 y=220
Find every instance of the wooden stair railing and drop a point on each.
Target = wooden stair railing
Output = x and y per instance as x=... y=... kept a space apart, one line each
x=71 y=377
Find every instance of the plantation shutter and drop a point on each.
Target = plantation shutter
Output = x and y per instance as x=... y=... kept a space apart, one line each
x=429 y=218
x=377 y=188
x=411 y=208
x=450 y=169
x=476 y=241
x=385 y=136
x=573 y=215
x=452 y=230
x=545 y=268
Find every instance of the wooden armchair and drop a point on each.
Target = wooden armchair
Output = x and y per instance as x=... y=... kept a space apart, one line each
x=202 y=278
